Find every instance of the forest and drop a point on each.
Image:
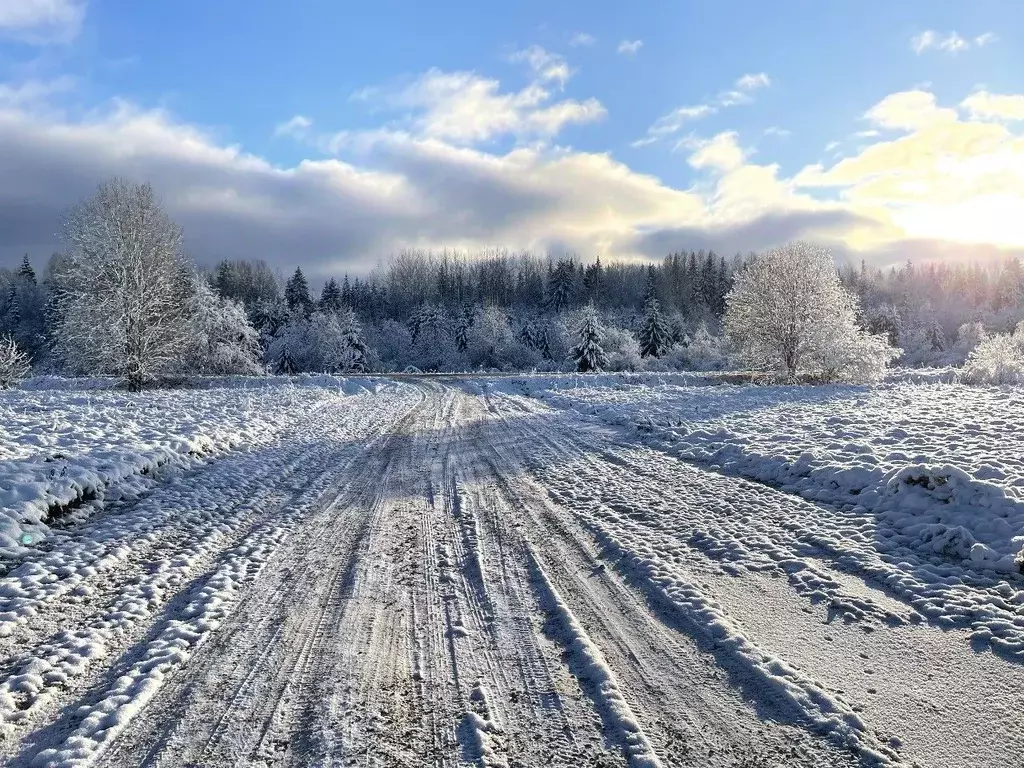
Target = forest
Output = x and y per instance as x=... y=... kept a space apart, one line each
x=446 y=310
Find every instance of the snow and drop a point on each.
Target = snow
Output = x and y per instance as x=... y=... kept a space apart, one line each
x=643 y=569
x=937 y=466
x=64 y=447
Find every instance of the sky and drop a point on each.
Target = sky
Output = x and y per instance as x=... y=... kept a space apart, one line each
x=333 y=135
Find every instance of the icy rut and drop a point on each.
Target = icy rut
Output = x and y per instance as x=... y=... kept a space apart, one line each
x=430 y=577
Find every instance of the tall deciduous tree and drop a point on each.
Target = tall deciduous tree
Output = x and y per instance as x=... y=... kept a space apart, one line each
x=789 y=312
x=124 y=298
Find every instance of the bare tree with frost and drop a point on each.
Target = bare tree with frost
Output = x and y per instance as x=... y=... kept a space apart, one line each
x=222 y=340
x=14 y=362
x=125 y=286
x=789 y=312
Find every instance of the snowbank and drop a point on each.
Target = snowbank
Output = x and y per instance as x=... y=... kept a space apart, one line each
x=64 y=451
x=938 y=464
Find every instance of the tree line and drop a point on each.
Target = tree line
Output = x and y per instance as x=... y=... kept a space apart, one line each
x=121 y=299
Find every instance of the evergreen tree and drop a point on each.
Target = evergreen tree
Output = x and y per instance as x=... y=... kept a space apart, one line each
x=655 y=336
x=415 y=322
x=588 y=354
x=296 y=292
x=543 y=345
x=462 y=326
x=560 y=287
x=330 y=297
x=354 y=347
x=527 y=335
x=25 y=272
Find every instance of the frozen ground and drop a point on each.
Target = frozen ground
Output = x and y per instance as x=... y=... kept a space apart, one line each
x=68 y=446
x=473 y=572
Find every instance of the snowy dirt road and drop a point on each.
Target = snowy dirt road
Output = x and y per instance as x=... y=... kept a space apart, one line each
x=431 y=577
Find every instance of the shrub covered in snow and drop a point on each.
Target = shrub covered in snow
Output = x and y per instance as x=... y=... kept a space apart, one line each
x=998 y=359
x=789 y=312
x=14 y=363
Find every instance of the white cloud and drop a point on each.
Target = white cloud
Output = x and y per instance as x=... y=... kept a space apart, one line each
x=774 y=130
x=673 y=122
x=753 y=82
x=545 y=65
x=465 y=108
x=908 y=110
x=943 y=178
x=296 y=127
x=581 y=39
x=994 y=106
x=630 y=47
x=421 y=183
x=41 y=21
x=952 y=42
x=721 y=153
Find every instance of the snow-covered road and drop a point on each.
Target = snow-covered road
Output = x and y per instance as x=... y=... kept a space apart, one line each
x=427 y=575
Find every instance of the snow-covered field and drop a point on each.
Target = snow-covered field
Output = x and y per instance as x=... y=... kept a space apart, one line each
x=68 y=446
x=641 y=570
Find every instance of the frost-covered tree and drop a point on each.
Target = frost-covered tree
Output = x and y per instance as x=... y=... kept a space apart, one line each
x=434 y=340
x=223 y=341
x=353 y=358
x=999 y=359
x=655 y=336
x=543 y=344
x=528 y=335
x=588 y=353
x=296 y=292
x=124 y=286
x=968 y=337
x=23 y=317
x=560 y=287
x=14 y=363
x=789 y=312
x=330 y=297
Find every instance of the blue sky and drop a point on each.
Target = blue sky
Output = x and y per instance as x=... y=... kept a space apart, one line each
x=619 y=128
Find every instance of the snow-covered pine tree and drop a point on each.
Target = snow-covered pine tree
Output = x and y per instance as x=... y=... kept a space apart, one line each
x=354 y=346
x=560 y=287
x=588 y=354
x=462 y=327
x=528 y=335
x=655 y=336
x=543 y=344
x=415 y=322
x=330 y=297
x=296 y=292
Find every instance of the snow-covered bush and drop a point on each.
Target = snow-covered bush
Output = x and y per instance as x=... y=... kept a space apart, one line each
x=14 y=363
x=789 y=312
x=622 y=350
x=856 y=357
x=968 y=337
x=223 y=341
x=998 y=359
x=492 y=344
